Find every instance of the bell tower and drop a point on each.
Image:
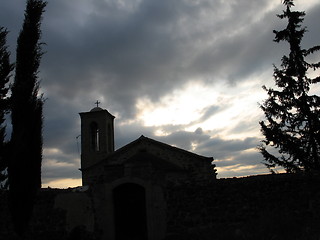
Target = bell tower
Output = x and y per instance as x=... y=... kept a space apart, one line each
x=97 y=136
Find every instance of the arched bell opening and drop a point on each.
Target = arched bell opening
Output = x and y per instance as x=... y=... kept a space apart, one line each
x=95 y=137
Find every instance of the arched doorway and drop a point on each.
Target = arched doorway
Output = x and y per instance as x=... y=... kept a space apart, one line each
x=130 y=216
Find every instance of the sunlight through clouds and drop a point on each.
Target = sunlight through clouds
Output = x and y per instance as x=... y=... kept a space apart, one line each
x=183 y=106
x=189 y=104
x=187 y=73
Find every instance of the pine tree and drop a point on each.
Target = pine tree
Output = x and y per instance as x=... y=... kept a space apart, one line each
x=5 y=73
x=292 y=125
x=26 y=117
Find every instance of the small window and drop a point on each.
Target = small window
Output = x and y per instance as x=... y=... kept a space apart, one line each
x=95 y=145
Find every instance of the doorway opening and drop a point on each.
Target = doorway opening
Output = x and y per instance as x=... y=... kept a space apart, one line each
x=130 y=212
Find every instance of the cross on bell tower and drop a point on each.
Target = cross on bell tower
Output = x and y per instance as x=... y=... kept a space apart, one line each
x=97 y=103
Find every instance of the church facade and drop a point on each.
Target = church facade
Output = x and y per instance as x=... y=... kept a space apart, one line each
x=128 y=185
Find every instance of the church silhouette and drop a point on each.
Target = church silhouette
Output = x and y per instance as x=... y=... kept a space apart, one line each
x=128 y=183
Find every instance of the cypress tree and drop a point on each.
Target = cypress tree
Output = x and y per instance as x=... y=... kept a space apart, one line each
x=5 y=73
x=292 y=125
x=26 y=117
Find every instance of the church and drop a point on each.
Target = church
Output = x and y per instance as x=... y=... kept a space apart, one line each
x=149 y=190
x=128 y=184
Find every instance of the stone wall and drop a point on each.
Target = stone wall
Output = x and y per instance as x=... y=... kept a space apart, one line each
x=47 y=222
x=258 y=207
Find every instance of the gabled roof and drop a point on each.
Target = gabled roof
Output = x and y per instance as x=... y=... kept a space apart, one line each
x=162 y=145
x=142 y=140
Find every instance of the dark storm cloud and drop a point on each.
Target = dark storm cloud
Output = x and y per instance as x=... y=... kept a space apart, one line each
x=148 y=48
x=123 y=50
x=249 y=125
x=236 y=157
x=223 y=149
x=185 y=140
x=135 y=51
x=55 y=171
x=147 y=51
x=125 y=134
x=312 y=36
x=61 y=124
x=11 y=17
x=209 y=112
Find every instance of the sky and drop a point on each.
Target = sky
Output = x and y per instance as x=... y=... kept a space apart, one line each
x=188 y=73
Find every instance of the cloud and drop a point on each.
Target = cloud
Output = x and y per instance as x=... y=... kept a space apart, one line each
x=132 y=51
x=224 y=148
x=208 y=112
x=153 y=48
x=59 y=165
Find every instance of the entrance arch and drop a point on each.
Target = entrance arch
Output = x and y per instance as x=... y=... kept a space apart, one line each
x=130 y=216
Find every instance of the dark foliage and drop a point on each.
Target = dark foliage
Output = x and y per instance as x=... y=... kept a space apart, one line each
x=26 y=117
x=5 y=72
x=292 y=124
